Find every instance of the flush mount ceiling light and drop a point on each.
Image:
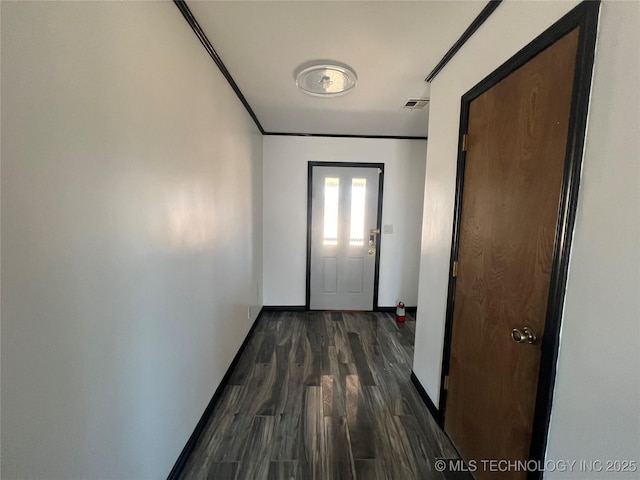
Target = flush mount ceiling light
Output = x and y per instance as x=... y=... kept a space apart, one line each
x=325 y=79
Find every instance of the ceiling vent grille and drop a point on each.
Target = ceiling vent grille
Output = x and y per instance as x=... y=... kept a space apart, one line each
x=416 y=103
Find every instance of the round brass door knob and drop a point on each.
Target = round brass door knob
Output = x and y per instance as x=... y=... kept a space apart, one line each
x=526 y=335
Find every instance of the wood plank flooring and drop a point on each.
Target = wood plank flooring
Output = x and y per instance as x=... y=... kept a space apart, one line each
x=320 y=396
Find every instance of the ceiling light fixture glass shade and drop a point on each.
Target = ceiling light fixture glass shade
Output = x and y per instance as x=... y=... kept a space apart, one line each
x=324 y=79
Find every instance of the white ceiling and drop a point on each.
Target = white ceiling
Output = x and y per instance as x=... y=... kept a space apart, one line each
x=392 y=46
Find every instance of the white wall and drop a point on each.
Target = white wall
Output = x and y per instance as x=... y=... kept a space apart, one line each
x=597 y=397
x=595 y=413
x=131 y=237
x=285 y=212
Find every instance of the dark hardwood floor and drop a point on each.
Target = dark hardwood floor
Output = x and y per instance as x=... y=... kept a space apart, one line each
x=322 y=396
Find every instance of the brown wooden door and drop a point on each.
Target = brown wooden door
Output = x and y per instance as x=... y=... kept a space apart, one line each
x=517 y=136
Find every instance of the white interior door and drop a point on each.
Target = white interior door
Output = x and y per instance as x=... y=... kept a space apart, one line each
x=344 y=237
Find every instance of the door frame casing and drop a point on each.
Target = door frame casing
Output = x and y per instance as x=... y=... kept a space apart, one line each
x=584 y=16
x=376 y=278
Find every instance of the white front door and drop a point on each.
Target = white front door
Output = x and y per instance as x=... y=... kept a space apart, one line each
x=344 y=237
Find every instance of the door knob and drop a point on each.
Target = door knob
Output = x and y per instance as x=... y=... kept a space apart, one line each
x=526 y=335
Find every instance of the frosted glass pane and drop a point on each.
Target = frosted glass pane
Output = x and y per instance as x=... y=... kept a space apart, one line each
x=331 y=198
x=358 y=189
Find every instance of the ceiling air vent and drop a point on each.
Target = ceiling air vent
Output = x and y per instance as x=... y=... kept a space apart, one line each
x=416 y=103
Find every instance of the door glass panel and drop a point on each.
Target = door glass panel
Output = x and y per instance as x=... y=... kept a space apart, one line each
x=331 y=197
x=358 y=189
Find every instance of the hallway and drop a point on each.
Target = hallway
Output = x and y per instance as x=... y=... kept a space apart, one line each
x=319 y=396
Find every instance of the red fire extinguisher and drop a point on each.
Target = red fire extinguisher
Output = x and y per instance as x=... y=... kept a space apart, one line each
x=400 y=315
